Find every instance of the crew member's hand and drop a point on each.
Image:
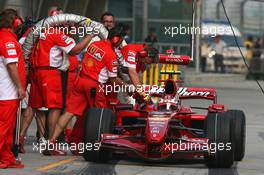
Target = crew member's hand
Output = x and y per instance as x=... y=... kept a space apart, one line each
x=87 y=22
x=130 y=89
x=145 y=97
x=21 y=93
x=130 y=94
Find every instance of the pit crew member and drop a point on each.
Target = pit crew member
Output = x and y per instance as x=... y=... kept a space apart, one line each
x=98 y=66
x=12 y=85
x=136 y=57
x=108 y=20
x=46 y=60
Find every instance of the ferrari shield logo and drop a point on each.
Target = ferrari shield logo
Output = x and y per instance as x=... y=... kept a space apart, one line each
x=92 y=49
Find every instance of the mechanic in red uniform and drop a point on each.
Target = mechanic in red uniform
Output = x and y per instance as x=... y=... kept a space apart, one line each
x=27 y=111
x=47 y=59
x=99 y=65
x=12 y=85
x=71 y=71
x=108 y=20
x=136 y=56
x=72 y=75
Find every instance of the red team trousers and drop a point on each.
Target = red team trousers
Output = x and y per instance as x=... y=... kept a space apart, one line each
x=80 y=99
x=8 y=115
x=46 y=89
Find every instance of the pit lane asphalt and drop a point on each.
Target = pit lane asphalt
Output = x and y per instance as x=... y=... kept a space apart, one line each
x=233 y=91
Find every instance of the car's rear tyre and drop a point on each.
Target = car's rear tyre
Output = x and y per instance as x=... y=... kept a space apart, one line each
x=218 y=131
x=97 y=122
x=239 y=133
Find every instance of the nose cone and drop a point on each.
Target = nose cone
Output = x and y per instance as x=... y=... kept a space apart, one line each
x=156 y=130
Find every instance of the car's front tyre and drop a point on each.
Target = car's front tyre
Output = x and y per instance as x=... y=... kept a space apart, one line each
x=218 y=131
x=238 y=133
x=97 y=122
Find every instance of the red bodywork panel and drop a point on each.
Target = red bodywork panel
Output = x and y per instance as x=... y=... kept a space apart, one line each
x=174 y=59
x=158 y=132
x=154 y=132
x=154 y=135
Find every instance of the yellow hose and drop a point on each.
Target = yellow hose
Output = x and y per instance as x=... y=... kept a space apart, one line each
x=145 y=77
x=151 y=74
x=156 y=74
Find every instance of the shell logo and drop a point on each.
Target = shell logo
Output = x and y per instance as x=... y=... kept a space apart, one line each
x=90 y=62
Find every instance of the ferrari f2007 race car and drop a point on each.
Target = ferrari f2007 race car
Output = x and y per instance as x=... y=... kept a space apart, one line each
x=167 y=129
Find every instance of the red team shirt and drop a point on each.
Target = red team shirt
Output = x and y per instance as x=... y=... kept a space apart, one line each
x=129 y=53
x=74 y=63
x=100 y=62
x=48 y=53
x=98 y=65
x=72 y=73
x=10 y=52
x=49 y=49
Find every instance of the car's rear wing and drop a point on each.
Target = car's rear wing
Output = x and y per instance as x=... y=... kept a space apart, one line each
x=171 y=58
x=174 y=59
x=197 y=93
x=185 y=92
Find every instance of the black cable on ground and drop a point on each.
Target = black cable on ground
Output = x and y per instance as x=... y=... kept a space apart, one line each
x=222 y=2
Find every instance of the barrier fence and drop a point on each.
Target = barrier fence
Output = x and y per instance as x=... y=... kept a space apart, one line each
x=152 y=74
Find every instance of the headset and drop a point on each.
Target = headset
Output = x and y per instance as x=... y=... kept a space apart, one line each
x=10 y=13
x=53 y=12
x=115 y=35
x=17 y=22
x=116 y=40
x=149 y=52
x=143 y=53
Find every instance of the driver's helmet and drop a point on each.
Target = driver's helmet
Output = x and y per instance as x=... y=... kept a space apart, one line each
x=169 y=103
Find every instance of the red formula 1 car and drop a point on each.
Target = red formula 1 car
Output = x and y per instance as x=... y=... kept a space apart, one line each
x=167 y=129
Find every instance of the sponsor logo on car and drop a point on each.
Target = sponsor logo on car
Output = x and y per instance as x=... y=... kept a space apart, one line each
x=155 y=130
x=184 y=92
